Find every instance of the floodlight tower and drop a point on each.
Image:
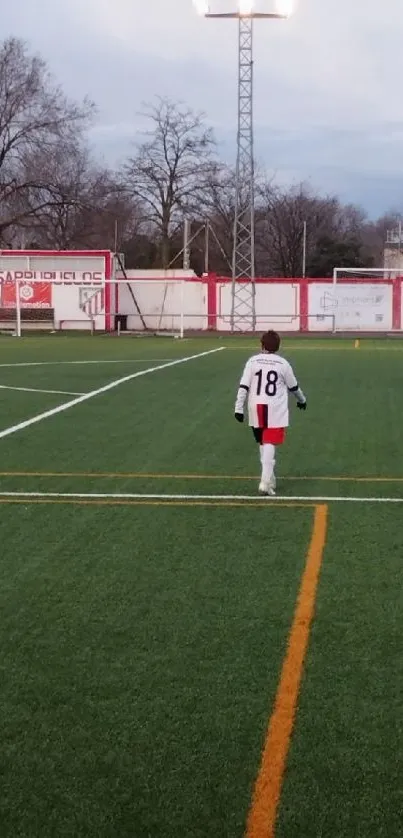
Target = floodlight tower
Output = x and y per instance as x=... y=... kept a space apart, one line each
x=243 y=310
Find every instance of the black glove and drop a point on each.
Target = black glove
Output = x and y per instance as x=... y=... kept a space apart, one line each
x=301 y=405
x=239 y=417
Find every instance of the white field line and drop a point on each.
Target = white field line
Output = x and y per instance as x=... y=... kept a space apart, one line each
x=86 y=396
x=182 y=497
x=32 y=390
x=72 y=363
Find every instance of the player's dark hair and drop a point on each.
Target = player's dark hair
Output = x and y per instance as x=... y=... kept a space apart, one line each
x=270 y=341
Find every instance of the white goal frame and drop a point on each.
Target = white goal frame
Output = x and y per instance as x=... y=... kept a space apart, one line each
x=161 y=312
x=375 y=309
x=362 y=274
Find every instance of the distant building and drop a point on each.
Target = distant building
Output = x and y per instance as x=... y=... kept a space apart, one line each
x=393 y=252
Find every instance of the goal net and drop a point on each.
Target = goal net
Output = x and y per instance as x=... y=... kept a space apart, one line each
x=85 y=301
x=133 y=307
x=154 y=307
x=360 y=299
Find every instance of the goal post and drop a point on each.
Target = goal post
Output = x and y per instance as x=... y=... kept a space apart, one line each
x=147 y=307
x=89 y=290
x=363 y=299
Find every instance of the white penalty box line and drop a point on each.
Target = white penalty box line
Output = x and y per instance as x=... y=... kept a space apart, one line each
x=35 y=390
x=187 y=498
x=105 y=389
x=84 y=363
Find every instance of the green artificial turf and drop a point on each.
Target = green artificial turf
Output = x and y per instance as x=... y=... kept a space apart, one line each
x=141 y=646
x=140 y=653
x=345 y=769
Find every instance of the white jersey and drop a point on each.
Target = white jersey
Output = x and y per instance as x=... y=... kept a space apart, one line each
x=266 y=381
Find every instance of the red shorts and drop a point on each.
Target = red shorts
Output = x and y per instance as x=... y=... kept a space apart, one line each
x=275 y=436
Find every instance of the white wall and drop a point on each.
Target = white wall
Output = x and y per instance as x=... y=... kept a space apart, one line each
x=277 y=306
x=161 y=304
x=352 y=306
x=355 y=306
x=67 y=301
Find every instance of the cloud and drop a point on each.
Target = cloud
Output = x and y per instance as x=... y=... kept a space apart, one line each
x=327 y=81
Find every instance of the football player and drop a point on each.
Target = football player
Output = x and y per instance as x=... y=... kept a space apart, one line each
x=266 y=382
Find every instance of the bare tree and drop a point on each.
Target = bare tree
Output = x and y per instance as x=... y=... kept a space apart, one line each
x=217 y=207
x=51 y=208
x=170 y=169
x=82 y=205
x=335 y=229
x=280 y=226
x=37 y=121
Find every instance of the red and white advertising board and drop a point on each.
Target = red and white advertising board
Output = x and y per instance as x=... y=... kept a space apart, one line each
x=75 y=285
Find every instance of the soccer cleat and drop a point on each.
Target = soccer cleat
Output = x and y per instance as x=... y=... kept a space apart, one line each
x=266 y=489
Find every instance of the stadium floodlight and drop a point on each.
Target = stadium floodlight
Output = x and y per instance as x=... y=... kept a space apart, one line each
x=202 y=7
x=245 y=7
x=245 y=10
x=285 y=7
x=243 y=309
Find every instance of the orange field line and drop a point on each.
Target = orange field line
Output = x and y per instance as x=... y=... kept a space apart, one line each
x=137 y=475
x=103 y=502
x=263 y=813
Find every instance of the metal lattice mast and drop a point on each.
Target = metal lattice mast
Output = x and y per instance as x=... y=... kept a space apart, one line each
x=243 y=312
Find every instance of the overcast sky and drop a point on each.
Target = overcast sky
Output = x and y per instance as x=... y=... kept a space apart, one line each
x=328 y=82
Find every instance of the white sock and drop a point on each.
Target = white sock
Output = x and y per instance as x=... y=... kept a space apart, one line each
x=268 y=462
x=261 y=454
